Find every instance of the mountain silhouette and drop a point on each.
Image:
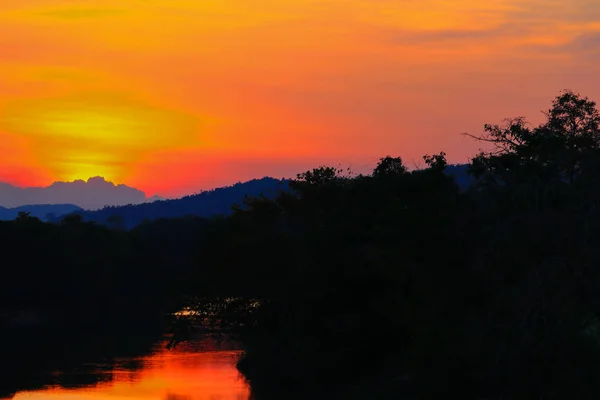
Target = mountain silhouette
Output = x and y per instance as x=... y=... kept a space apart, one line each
x=213 y=202
x=207 y=204
x=461 y=175
x=126 y=207
x=91 y=195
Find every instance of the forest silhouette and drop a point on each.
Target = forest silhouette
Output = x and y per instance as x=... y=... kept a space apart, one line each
x=396 y=284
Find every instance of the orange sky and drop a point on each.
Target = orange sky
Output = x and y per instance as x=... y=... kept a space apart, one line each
x=174 y=96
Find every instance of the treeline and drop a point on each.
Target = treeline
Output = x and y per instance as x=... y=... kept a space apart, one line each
x=399 y=284
x=75 y=293
x=31 y=361
x=207 y=204
x=82 y=275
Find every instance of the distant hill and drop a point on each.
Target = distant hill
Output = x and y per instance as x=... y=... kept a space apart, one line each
x=460 y=175
x=44 y=212
x=210 y=203
x=205 y=205
x=91 y=195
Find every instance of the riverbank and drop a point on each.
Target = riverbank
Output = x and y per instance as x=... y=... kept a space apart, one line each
x=199 y=369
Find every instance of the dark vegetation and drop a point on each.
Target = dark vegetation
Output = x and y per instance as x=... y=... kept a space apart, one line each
x=76 y=293
x=34 y=361
x=206 y=204
x=44 y=212
x=398 y=284
x=78 y=272
x=401 y=285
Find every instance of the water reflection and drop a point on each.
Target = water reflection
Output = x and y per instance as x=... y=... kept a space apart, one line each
x=198 y=371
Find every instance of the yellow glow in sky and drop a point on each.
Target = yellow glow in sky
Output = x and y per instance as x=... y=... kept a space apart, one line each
x=173 y=96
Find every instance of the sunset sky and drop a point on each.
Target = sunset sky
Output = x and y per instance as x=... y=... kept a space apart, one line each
x=173 y=96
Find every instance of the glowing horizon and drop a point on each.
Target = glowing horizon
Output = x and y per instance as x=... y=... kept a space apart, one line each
x=174 y=96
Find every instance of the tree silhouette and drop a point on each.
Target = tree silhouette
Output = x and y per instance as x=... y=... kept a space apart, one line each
x=398 y=283
x=389 y=166
x=116 y=221
x=72 y=219
x=487 y=292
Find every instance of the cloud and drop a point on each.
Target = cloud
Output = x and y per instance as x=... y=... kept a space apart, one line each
x=331 y=77
x=92 y=194
x=462 y=35
x=583 y=47
x=586 y=42
x=539 y=20
x=557 y=11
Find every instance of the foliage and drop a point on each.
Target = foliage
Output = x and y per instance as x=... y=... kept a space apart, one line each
x=401 y=280
x=395 y=284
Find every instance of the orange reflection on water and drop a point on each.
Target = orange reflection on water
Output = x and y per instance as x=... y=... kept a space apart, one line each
x=165 y=375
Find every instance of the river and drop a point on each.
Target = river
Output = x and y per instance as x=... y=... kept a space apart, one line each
x=194 y=371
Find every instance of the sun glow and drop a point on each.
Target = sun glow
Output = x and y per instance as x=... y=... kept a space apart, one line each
x=92 y=135
x=178 y=95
